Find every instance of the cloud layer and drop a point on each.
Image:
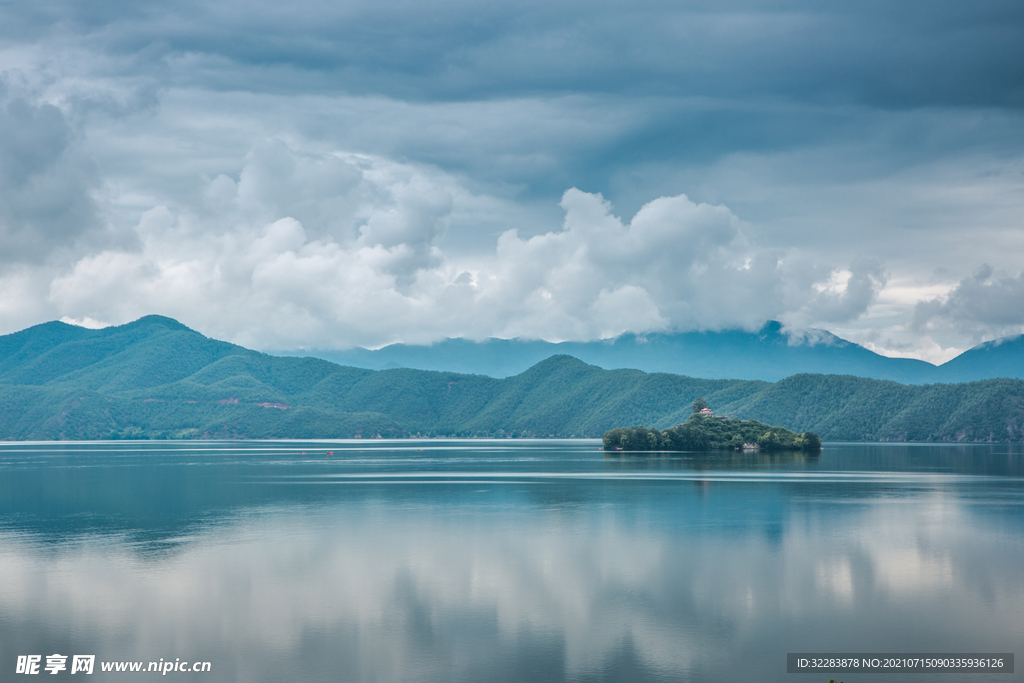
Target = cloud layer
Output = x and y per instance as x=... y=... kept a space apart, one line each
x=46 y=201
x=365 y=173
x=977 y=306
x=334 y=250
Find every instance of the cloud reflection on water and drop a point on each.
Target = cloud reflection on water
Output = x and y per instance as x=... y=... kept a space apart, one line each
x=688 y=582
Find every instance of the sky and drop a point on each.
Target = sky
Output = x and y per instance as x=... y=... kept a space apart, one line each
x=337 y=174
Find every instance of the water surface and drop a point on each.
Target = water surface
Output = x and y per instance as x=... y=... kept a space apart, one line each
x=501 y=560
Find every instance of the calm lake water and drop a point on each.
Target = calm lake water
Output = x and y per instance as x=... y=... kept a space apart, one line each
x=484 y=561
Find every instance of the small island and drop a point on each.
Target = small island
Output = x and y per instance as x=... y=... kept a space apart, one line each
x=704 y=431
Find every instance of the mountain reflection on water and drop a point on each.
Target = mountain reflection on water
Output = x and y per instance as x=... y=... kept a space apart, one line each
x=505 y=561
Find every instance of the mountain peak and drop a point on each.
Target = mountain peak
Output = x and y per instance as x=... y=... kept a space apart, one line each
x=149 y=321
x=562 y=360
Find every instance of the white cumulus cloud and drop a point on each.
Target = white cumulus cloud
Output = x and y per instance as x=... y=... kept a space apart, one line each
x=330 y=250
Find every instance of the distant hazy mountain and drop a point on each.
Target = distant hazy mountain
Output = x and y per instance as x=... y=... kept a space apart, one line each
x=768 y=355
x=156 y=378
x=999 y=358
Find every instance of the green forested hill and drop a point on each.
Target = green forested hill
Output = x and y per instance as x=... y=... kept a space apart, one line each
x=155 y=378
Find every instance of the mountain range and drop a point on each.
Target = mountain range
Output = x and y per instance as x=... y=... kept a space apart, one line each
x=770 y=354
x=156 y=378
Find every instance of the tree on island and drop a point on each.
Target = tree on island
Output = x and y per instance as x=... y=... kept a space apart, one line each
x=701 y=434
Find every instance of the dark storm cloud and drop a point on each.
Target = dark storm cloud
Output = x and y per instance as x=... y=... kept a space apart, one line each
x=905 y=54
x=689 y=83
x=45 y=201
